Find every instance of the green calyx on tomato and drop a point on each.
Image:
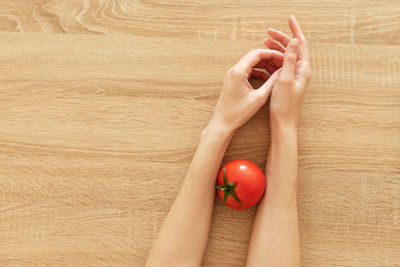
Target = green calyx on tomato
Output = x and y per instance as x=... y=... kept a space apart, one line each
x=228 y=189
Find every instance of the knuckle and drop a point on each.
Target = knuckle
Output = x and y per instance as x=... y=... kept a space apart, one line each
x=234 y=71
x=257 y=53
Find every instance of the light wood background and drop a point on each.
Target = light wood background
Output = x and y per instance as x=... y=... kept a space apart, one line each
x=102 y=103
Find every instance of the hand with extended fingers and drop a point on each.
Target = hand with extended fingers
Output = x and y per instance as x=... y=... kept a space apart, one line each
x=287 y=72
x=288 y=91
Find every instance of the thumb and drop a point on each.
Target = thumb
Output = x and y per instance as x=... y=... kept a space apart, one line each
x=266 y=89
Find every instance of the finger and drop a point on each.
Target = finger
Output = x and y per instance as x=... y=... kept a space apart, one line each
x=270 y=68
x=268 y=65
x=289 y=62
x=274 y=46
x=251 y=59
x=265 y=90
x=261 y=64
x=259 y=74
x=298 y=33
x=277 y=60
x=279 y=36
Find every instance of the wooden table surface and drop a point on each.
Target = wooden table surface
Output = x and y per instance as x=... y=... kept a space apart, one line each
x=102 y=104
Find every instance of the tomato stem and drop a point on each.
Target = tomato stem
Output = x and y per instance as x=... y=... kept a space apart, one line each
x=228 y=189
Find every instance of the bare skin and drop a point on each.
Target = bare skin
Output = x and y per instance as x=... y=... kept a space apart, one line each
x=275 y=237
x=184 y=233
x=183 y=236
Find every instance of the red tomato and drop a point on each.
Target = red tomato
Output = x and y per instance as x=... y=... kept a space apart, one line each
x=244 y=183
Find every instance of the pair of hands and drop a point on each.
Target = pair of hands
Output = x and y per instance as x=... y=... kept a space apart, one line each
x=288 y=65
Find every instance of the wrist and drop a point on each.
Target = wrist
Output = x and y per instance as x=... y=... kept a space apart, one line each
x=281 y=131
x=218 y=129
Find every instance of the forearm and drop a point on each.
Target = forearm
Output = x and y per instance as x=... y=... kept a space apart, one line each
x=281 y=168
x=275 y=237
x=183 y=236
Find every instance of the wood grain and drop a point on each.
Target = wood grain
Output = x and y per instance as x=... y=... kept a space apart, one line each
x=102 y=104
x=337 y=21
